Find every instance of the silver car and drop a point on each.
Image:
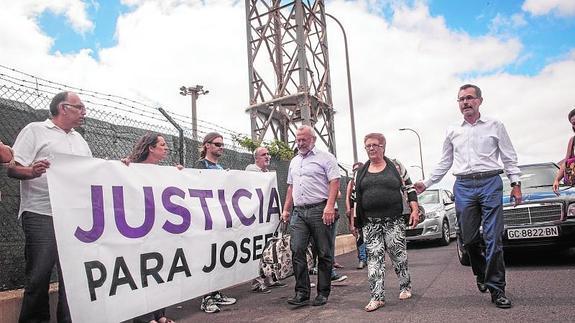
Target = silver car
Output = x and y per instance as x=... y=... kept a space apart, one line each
x=440 y=221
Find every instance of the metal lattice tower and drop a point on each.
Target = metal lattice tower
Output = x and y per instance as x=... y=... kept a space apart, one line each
x=289 y=70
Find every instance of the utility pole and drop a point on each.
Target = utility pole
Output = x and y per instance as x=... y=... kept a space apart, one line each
x=420 y=152
x=194 y=92
x=349 y=94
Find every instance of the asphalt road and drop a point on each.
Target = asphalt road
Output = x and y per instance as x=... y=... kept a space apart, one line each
x=541 y=285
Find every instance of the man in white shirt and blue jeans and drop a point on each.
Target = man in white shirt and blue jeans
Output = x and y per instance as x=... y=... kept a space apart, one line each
x=474 y=147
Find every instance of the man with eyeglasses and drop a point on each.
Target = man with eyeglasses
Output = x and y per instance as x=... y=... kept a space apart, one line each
x=313 y=185
x=33 y=148
x=262 y=160
x=212 y=150
x=473 y=147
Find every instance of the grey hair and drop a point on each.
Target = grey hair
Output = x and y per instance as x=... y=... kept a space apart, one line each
x=308 y=128
x=257 y=150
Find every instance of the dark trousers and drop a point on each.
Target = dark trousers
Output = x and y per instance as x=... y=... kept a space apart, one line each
x=41 y=255
x=306 y=224
x=478 y=203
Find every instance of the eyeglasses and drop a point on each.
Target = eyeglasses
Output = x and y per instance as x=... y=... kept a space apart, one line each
x=374 y=146
x=217 y=144
x=75 y=106
x=468 y=98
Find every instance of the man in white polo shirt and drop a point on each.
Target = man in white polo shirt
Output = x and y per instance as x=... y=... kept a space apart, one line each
x=33 y=149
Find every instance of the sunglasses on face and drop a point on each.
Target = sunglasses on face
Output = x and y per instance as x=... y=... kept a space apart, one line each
x=217 y=144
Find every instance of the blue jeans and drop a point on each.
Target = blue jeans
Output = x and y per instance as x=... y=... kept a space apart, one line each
x=41 y=255
x=478 y=203
x=360 y=245
x=306 y=224
x=334 y=235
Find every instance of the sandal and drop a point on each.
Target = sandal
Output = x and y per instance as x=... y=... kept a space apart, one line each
x=405 y=294
x=373 y=305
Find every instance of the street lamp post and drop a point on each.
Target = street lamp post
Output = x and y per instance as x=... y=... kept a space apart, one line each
x=351 y=113
x=420 y=152
x=194 y=92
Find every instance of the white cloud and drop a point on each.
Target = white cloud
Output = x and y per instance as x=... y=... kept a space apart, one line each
x=562 y=8
x=73 y=10
x=405 y=72
x=503 y=25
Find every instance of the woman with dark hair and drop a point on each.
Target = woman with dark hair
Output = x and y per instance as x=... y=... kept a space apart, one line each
x=570 y=153
x=151 y=148
x=379 y=186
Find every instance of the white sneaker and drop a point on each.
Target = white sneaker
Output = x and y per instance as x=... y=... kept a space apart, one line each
x=208 y=305
x=221 y=299
x=338 y=278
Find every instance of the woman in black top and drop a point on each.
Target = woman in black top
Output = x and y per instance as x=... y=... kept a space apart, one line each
x=380 y=209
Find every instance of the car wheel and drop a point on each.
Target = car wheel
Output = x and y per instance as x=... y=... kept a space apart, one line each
x=462 y=253
x=444 y=240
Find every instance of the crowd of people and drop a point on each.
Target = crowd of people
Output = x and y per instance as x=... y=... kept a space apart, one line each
x=381 y=202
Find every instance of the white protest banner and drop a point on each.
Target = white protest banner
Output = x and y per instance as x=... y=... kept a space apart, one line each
x=132 y=239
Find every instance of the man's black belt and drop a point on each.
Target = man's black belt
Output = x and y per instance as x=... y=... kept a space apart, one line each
x=309 y=206
x=480 y=175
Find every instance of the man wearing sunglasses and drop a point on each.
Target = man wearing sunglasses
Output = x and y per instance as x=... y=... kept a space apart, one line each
x=33 y=148
x=473 y=147
x=212 y=150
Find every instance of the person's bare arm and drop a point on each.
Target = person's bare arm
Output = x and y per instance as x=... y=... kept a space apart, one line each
x=287 y=205
x=37 y=168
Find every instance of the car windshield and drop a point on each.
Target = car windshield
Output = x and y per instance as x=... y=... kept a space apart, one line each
x=428 y=197
x=533 y=176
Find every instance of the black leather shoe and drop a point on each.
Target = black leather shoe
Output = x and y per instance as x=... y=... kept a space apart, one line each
x=500 y=300
x=481 y=284
x=298 y=300
x=319 y=300
x=482 y=287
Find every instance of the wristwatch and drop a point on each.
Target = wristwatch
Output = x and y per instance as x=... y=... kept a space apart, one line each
x=518 y=183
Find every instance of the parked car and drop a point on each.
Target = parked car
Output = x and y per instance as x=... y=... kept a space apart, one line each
x=543 y=219
x=440 y=222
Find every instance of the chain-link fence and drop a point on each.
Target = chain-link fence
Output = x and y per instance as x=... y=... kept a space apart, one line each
x=112 y=125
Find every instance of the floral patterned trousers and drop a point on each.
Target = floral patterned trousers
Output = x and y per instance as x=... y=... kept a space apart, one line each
x=381 y=235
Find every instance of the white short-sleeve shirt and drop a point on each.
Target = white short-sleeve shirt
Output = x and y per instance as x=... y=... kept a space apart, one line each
x=37 y=141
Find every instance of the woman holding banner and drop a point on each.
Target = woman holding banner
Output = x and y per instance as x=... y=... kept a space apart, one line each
x=150 y=149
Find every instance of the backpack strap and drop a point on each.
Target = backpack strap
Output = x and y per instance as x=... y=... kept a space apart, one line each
x=396 y=170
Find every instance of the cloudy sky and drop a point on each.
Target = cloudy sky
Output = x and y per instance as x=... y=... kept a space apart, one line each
x=408 y=59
